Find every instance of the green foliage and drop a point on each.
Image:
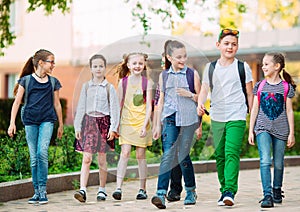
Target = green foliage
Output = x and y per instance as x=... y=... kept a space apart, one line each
x=49 y=6
x=15 y=163
x=15 y=159
x=5 y=106
x=7 y=37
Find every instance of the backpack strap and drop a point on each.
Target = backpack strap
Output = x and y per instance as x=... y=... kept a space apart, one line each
x=211 y=69
x=124 y=88
x=189 y=76
x=108 y=93
x=27 y=79
x=165 y=76
x=286 y=89
x=259 y=89
x=190 y=79
x=242 y=75
x=144 y=88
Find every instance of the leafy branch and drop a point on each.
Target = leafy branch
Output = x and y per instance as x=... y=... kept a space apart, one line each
x=7 y=36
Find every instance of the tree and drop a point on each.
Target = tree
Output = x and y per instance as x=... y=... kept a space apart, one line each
x=7 y=37
x=227 y=13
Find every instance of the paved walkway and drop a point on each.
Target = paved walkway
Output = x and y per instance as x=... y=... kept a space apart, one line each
x=207 y=189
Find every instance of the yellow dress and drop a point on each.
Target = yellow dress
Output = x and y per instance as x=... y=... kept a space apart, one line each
x=133 y=116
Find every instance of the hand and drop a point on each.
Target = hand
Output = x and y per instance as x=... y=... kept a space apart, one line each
x=183 y=92
x=78 y=135
x=11 y=130
x=156 y=133
x=199 y=133
x=143 y=132
x=251 y=139
x=60 y=131
x=201 y=110
x=291 y=141
x=111 y=135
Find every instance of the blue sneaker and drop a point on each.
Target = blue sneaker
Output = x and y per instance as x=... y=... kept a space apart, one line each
x=190 y=198
x=228 y=199
x=34 y=199
x=159 y=201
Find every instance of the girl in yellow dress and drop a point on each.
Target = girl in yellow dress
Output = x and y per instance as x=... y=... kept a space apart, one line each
x=135 y=95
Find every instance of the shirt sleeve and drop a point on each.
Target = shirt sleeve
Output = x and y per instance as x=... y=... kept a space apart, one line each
x=81 y=108
x=21 y=82
x=57 y=84
x=291 y=92
x=248 y=72
x=254 y=91
x=205 y=74
x=114 y=109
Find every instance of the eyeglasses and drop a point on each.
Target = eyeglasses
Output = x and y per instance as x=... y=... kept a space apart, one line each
x=50 y=61
x=225 y=32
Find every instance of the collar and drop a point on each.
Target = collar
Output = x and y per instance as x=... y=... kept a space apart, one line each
x=182 y=71
x=103 y=83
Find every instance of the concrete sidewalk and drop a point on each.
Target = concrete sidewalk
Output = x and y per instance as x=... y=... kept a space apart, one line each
x=246 y=199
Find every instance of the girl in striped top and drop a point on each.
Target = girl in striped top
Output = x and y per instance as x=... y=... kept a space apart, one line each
x=272 y=123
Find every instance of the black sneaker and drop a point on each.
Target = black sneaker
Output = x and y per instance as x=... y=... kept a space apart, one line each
x=43 y=198
x=220 y=201
x=173 y=196
x=228 y=199
x=142 y=194
x=267 y=202
x=34 y=199
x=101 y=196
x=277 y=195
x=80 y=196
x=117 y=195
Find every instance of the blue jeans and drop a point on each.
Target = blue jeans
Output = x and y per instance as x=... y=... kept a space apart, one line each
x=177 y=142
x=38 y=139
x=265 y=143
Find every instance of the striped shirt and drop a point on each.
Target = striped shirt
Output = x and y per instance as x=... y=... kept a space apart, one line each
x=183 y=107
x=272 y=117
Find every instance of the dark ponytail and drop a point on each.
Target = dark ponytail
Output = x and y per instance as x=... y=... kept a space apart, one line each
x=287 y=77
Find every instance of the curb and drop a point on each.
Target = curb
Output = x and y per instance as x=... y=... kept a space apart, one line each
x=61 y=182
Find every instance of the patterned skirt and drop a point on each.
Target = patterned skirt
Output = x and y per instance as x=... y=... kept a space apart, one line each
x=94 y=135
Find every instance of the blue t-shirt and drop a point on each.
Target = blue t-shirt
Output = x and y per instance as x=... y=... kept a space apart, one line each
x=40 y=106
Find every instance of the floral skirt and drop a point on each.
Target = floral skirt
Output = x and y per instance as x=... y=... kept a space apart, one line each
x=94 y=135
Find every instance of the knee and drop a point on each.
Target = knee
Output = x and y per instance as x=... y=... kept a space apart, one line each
x=278 y=165
x=125 y=154
x=87 y=160
x=265 y=161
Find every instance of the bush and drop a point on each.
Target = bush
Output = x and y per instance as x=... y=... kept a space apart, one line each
x=15 y=160
x=5 y=106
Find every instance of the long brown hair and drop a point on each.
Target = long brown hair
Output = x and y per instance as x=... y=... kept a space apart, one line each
x=123 y=69
x=278 y=57
x=32 y=64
